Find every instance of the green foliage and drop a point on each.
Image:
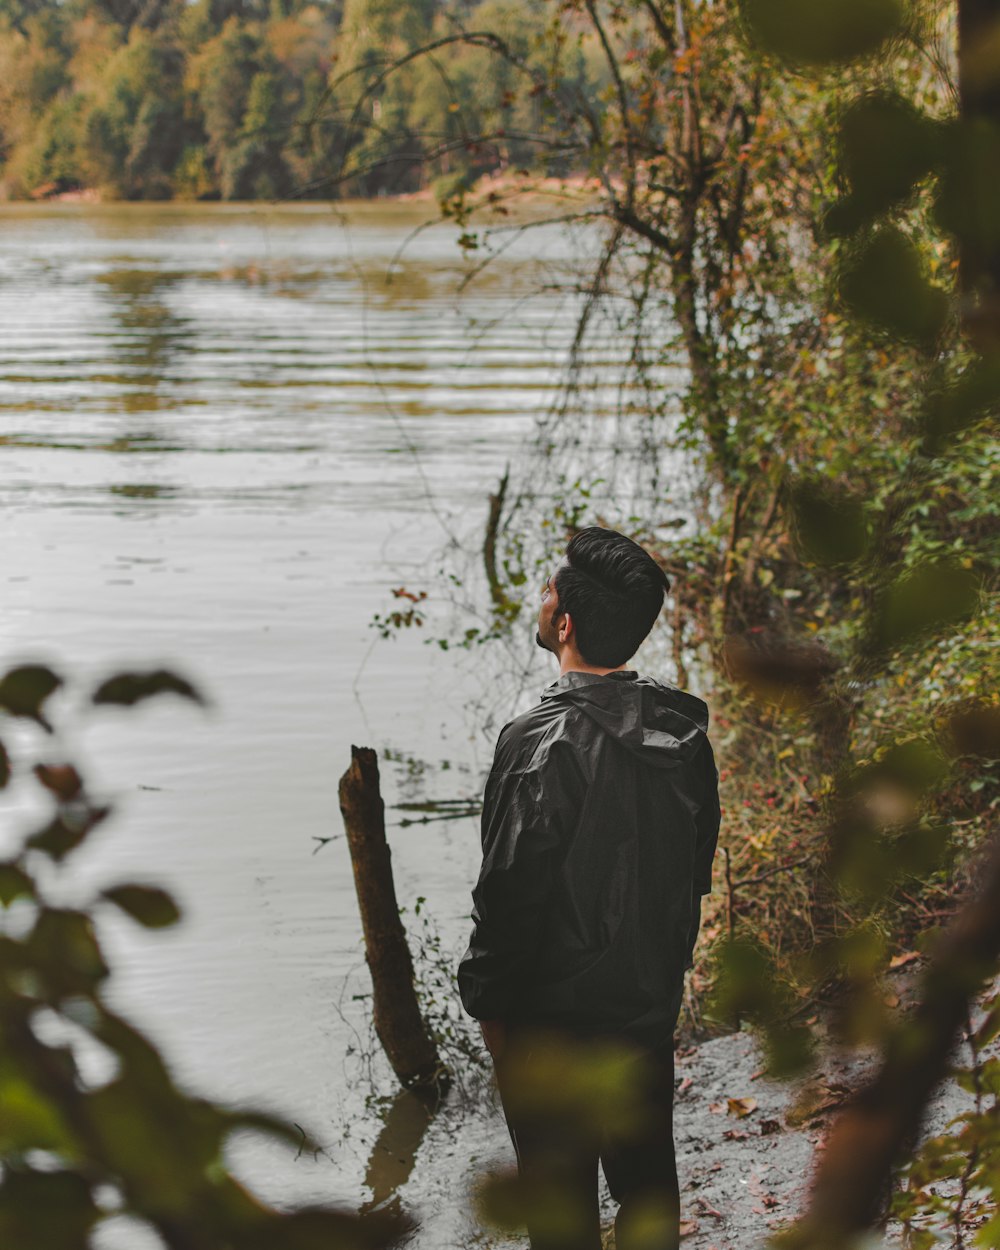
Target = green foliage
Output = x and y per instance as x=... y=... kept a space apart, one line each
x=951 y=1188
x=817 y=255
x=78 y=1150
x=814 y=32
x=132 y=687
x=23 y=690
x=239 y=99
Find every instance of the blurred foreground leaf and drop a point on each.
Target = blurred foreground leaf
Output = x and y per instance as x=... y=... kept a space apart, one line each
x=886 y=147
x=782 y=672
x=746 y=988
x=882 y=282
x=829 y=523
x=61 y=779
x=64 y=947
x=933 y=595
x=952 y=408
x=67 y=830
x=974 y=729
x=816 y=32
x=14 y=883
x=45 y=1210
x=129 y=688
x=146 y=904
x=24 y=689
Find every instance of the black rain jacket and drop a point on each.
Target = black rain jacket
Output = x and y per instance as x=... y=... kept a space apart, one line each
x=600 y=822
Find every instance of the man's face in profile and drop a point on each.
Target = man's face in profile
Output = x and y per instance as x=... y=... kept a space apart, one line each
x=547 y=635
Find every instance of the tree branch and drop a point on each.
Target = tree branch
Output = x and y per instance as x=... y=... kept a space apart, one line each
x=883 y=1119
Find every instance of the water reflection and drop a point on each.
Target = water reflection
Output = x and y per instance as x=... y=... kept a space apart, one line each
x=147 y=339
x=221 y=445
x=394 y=1154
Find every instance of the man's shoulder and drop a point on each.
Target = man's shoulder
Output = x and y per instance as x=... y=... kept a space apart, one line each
x=531 y=736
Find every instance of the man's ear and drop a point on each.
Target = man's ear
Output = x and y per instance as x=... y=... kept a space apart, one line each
x=565 y=628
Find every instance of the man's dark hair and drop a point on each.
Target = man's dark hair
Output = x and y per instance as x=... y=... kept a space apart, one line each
x=613 y=590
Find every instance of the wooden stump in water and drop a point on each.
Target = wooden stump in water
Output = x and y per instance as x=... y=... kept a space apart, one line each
x=399 y=1024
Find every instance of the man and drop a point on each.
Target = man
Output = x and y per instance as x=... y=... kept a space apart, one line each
x=600 y=821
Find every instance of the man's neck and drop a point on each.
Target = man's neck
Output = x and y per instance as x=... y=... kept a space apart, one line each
x=576 y=664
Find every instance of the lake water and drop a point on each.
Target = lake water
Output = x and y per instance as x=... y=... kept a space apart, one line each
x=227 y=433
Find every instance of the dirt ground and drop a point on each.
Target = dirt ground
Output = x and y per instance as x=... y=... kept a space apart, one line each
x=745 y=1151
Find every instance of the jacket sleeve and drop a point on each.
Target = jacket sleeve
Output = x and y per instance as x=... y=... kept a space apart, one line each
x=530 y=809
x=707 y=823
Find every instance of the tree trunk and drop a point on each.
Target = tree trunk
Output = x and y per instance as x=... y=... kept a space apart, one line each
x=398 y=1022
x=979 y=98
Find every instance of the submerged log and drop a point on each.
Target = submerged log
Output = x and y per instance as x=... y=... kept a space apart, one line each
x=399 y=1023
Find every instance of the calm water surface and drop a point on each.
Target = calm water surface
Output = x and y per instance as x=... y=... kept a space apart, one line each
x=226 y=434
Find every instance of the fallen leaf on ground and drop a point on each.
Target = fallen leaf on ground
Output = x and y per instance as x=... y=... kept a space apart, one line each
x=769 y=1126
x=708 y=1209
x=716 y=1108
x=735 y=1134
x=907 y=957
x=812 y=1100
x=741 y=1106
x=688 y=1227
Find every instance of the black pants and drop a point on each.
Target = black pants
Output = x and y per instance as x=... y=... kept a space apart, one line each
x=570 y=1105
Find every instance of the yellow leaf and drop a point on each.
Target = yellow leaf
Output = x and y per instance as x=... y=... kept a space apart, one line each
x=907 y=957
x=740 y=1107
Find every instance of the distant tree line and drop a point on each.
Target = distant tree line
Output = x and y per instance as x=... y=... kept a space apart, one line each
x=262 y=99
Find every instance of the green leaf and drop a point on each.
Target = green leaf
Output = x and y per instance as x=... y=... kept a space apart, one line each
x=818 y=32
x=990 y=1027
x=989 y=1076
x=53 y=1210
x=830 y=524
x=66 y=831
x=146 y=904
x=66 y=953
x=14 y=883
x=915 y=765
x=921 y=850
x=270 y=1126
x=989 y=1235
x=23 y=690
x=30 y=1121
x=882 y=282
x=928 y=598
x=950 y=409
x=127 y=689
x=155 y=1140
x=886 y=147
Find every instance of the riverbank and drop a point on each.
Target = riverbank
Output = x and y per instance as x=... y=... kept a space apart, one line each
x=746 y=1148
x=493 y=192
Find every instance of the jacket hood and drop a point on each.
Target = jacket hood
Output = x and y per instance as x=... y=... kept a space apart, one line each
x=661 y=724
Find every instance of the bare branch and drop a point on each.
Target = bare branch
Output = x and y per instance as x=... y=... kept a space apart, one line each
x=613 y=65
